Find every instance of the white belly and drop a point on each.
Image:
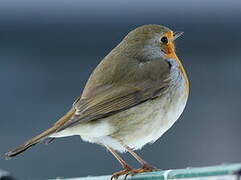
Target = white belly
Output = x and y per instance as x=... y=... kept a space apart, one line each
x=145 y=123
x=136 y=127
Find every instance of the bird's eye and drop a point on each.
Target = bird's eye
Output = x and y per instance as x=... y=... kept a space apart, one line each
x=164 y=40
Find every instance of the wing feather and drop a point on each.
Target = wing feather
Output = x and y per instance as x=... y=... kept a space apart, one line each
x=99 y=107
x=119 y=88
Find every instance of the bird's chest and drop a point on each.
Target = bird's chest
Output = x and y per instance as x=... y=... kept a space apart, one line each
x=157 y=116
x=148 y=121
x=165 y=111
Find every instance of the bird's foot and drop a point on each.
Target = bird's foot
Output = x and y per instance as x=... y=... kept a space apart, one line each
x=145 y=168
x=125 y=171
x=131 y=172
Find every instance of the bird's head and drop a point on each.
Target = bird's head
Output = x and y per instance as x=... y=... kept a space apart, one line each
x=151 y=41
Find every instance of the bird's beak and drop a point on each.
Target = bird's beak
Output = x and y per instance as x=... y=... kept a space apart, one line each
x=177 y=34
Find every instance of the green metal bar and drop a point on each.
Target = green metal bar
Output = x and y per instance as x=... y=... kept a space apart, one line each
x=224 y=172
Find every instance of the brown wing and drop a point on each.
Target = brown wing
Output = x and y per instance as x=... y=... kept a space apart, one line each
x=121 y=98
x=104 y=96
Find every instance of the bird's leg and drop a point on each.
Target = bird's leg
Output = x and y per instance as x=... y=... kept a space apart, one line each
x=126 y=168
x=138 y=158
x=145 y=166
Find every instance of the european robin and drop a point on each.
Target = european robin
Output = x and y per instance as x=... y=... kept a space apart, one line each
x=132 y=97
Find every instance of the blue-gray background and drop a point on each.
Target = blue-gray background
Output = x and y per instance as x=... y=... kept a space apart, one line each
x=49 y=48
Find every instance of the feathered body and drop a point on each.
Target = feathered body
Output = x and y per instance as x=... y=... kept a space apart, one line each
x=165 y=86
x=140 y=124
x=133 y=96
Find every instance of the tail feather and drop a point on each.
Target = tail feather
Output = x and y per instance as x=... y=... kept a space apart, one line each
x=40 y=137
x=29 y=143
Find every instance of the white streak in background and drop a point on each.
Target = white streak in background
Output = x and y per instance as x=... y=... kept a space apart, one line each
x=166 y=173
x=3 y=174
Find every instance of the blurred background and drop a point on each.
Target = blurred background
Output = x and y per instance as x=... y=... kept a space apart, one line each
x=49 y=48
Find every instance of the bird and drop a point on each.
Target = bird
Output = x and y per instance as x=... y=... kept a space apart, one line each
x=133 y=96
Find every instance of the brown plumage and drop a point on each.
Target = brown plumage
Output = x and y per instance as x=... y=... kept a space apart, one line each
x=135 y=78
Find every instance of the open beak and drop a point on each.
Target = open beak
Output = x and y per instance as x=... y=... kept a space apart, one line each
x=177 y=34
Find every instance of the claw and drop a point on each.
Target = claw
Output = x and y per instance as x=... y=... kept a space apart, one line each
x=120 y=173
x=145 y=168
x=131 y=172
x=127 y=176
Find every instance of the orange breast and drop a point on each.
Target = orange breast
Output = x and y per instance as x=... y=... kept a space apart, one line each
x=169 y=49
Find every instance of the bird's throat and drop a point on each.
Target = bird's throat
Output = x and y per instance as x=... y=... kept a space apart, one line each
x=170 y=54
